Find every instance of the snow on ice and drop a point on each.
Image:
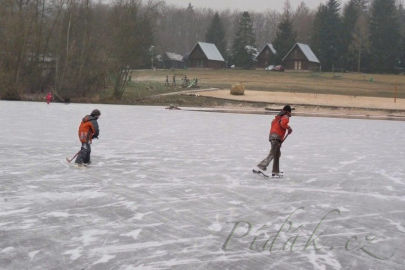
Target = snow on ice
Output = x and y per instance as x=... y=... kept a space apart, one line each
x=174 y=190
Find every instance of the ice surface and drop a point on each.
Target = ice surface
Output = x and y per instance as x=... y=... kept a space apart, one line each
x=174 y=190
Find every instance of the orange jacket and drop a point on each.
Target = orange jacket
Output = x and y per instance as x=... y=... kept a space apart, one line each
x=88 y=129
x=280 y=125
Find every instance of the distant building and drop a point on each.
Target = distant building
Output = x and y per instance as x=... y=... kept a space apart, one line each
x=301 y=57
x=205 y=55
x=267 y=56
x=173 y=60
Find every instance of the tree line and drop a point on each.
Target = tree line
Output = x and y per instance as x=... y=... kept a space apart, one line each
x=78 y=47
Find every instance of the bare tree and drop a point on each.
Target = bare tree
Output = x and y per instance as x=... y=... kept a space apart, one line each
x=303 y=19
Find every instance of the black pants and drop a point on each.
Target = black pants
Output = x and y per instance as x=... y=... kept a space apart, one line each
x=84 y=154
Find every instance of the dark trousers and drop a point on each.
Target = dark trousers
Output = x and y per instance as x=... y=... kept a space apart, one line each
x=84 y=154
x=274 y=154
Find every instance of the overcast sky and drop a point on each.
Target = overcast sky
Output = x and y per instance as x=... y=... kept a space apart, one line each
x=249 y=5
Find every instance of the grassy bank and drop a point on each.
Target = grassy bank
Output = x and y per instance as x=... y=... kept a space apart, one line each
x=147 y=86
x=354 y=84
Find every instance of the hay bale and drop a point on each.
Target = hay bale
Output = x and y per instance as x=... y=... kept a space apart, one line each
x=238 y=89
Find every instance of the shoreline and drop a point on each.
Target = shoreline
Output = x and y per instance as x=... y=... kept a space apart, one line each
x=264 y=102
x=311 y=105
x=305 y=112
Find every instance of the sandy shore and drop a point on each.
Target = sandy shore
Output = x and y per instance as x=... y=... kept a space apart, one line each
x=315 y=104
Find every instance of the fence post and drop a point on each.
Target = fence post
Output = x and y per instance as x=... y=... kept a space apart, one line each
x=395 y=93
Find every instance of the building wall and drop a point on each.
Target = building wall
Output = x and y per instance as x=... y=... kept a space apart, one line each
x=296 y=60
x=197 y=59
x=174 y=64
x=265 y=58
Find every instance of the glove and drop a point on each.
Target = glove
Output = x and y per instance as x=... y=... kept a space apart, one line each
x=289 y=130
x=95 y=137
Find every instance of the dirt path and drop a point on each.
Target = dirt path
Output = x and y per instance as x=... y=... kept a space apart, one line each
x=339 y=101
x=312 y=104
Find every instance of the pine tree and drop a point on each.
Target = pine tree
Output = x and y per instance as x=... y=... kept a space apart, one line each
x=319 y=34
x=243 y=42
x=384 y=35
x=361 y=4
x=285 y=36
x=351 y=15
x=401 y=62
x=216 y=34
x=326 y=37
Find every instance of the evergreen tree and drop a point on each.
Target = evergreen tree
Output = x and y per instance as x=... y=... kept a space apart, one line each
x=216 y=34
x=401 y=62
x=243 y=43
x=285 y=36
x=351 y=15
x=384 y=35
x=319 y=34
x=327 y=35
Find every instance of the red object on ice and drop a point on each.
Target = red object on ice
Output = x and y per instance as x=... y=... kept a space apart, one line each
x=48 y=97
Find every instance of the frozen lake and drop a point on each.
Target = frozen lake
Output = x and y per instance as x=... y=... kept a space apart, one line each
x=174 y=190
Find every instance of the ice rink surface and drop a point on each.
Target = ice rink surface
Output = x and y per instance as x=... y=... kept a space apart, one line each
x=174 y=190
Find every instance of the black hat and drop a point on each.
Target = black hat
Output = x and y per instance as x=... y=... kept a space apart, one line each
x=95 y=112
x=287 y=108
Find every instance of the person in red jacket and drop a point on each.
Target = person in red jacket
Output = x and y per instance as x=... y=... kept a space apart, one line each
x=49 y=97
x=279 y=127
x=88 y=130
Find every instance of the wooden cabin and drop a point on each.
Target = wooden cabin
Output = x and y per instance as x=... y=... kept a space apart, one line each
x=301 y=57
x=205 y=55
x=267 y=56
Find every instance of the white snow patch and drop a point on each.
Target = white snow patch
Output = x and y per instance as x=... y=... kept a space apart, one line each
x=13 y=212
x=74 y=253
x=139 y=216
x=33 y=253
x=58 y=214
x=311 y=180
x=216 y=227
x=235 y=202
x=7 y=249
x=139 y=267
x=398 y=225
x=134 y=234
x=347 y=162
x=90 y=236
x=325 y=205
x=54 y=196
x=321 y=261
x=397 y=180
x=104 y=259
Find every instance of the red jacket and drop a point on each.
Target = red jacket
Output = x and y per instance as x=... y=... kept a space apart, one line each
x=280 y=125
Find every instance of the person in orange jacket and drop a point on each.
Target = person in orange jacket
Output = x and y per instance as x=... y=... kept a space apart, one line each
x=279 y=126
x=88 y=130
